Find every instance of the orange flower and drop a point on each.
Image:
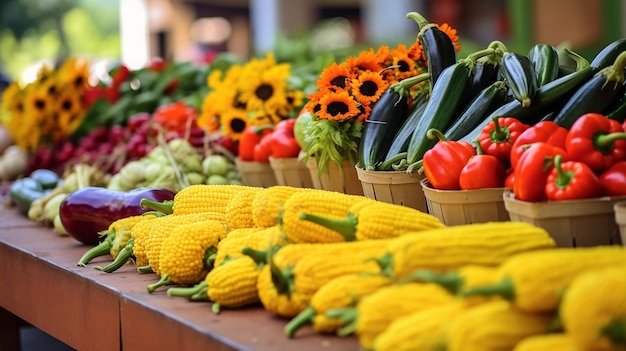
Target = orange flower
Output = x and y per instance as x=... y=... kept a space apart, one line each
x=338 y=106
x=364 y=61
x=451 y=32
x=368 y=87
x=334 y=77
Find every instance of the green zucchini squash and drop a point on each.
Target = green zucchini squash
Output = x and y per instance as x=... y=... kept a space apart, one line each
x=384 y=121
x=520 y=77
x=545 y=61
x=436 y=44
x=546 y=98
x=486 y=72
x=608 y=54
x=488 y=100
x=401 y=140
x=595 y=95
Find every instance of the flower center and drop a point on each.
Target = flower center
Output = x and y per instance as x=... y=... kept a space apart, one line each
x=336 y=107
x=264 y=91
x=368 y=88
x=237 y=125
x=339 y=81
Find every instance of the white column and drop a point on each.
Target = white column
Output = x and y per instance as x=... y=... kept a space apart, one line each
x=134 y=33
x=264 y=17
x=384 y=20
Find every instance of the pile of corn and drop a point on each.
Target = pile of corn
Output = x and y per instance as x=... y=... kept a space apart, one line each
x=395 y=277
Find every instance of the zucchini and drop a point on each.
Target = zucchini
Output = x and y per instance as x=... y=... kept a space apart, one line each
x=595 y=95
x=447 y=98
x=520 y=77
x=545 y=100
x=386 y=117
x=608 y=54
x=401 y=140
x=483 y=104
x=486 y=72
x=545 y=62
x=436 y=44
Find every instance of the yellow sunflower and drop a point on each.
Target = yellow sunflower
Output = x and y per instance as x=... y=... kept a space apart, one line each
x=368 y=87
x=233 y=122
x=365 y=61
x=404 y=66
x=75 y=72
x=338 y=106
x=70 y=112
x=266 y=90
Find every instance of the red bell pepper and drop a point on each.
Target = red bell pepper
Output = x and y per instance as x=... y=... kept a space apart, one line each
x=445 y=160
x=544 y=131
x=283 y=141
x=482 y=171
x=597 y=141
x=497 y=137
x=532 y=171
x=613 y=180
x=251 y=136
x=572 y=181
x=263 y=149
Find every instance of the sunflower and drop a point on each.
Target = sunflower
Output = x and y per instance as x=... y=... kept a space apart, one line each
x=266 y=90
x=70 y=112
x=338 y=106
x=233 y=123
x=368 y=87
x=74 y=72
x=364 y=61
x=334 y=77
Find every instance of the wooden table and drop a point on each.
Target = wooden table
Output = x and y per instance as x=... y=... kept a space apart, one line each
x=87 y=309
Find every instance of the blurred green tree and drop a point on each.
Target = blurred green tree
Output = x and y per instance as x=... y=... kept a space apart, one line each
x=32 y=31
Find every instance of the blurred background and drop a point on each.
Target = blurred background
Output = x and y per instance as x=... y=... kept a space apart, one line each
x=136 y=31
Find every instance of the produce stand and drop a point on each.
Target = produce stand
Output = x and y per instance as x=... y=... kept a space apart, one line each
x=87 y=309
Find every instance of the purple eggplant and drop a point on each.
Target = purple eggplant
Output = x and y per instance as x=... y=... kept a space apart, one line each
x=88 y=211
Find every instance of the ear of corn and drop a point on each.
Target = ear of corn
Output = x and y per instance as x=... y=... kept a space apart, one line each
x=267 y=205
x=448 y=248
x=116 y=237
x=185 y=256
x=593 y=310
x=423 y=330
x=296 y=271
x=260 y=240
x=204 y=198
x=375 y=312
x=534 y=281
x=547 y=342
x=341 y=292
x=161 y=230
x=239 y=208
x=330 y=204
x=234 y=284
x=376 y=220
x=495 y=325
x=241 y=232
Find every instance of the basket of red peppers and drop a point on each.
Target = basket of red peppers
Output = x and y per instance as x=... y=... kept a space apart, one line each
x=568 y=180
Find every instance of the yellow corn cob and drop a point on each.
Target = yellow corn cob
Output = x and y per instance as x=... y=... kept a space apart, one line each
x=204 y=198
x=423 y=330
x=241 y=232
x=375 y=312
x=185 y=255
x=547 y=342
x=341 y=292
x=163 y=228
x=115 y=238
x=333 y=205
x=457 y=281
x=593 y=310
x=448 y=248
x=260 y=240
x=376 y=220
x=495 y=326
x=267 y=205
x=297 y=271
x=232 y=284
x=534 y=281
x=239 y=209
